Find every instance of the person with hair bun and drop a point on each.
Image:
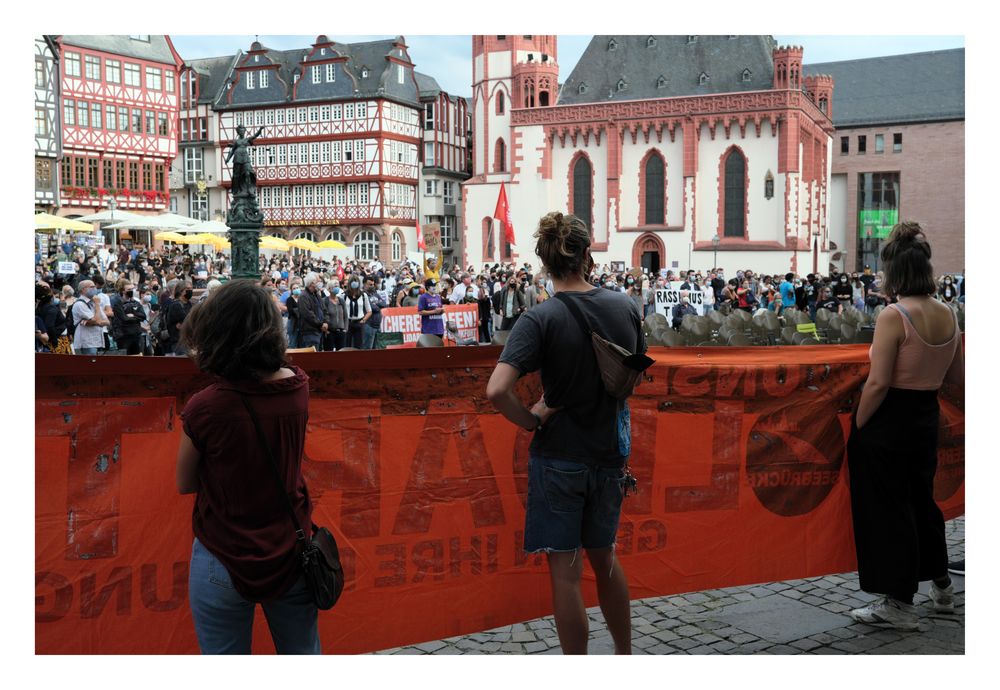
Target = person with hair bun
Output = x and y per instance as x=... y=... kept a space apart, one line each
x=899 y=530
x=576 y=469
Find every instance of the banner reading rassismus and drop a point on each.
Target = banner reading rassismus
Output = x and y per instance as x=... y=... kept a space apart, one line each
x=739 y=454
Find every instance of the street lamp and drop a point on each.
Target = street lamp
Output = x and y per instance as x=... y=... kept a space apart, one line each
x=715 y=251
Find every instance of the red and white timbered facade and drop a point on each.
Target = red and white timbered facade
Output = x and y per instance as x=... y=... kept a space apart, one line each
x=339 y=153
x=119 y=118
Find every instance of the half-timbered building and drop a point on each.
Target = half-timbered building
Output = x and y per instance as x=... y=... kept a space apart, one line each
x=660 y=144
x=196 y=176
x=47 y=132
x=119 y=106
x=447 y=132
x=338 y=154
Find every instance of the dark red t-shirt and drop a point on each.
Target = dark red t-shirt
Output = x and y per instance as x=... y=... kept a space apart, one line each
x=239 y=513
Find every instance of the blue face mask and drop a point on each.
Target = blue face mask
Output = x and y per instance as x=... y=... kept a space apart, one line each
x=296 y=292
x=335 y=290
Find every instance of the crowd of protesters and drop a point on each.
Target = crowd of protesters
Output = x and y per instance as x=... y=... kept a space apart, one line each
x=134 y=301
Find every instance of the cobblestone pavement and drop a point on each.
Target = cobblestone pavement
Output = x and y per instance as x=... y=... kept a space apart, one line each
x=794 y=617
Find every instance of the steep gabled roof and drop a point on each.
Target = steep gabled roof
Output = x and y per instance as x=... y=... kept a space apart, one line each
x=213 y=72
x=896 y=89
x=157 y=49
x=627 y=68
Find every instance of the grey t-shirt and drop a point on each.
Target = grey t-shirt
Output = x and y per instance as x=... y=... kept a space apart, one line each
x=549 y=338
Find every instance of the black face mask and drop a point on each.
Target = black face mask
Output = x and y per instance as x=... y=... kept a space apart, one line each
x=129 y=293
x=188 y=294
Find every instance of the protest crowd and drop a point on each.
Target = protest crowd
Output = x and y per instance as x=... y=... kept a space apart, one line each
x=135 y=301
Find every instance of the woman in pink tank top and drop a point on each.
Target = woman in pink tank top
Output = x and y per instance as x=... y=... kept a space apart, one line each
x=892 y=452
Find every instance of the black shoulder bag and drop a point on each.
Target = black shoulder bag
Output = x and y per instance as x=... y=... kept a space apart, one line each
x=320 y=556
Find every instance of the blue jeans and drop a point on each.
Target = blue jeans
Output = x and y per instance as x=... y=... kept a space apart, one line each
x=368 y=341
x=86 y=350
x=310 y=340
x=571 y=505
x=293 y=336
x=223 y=620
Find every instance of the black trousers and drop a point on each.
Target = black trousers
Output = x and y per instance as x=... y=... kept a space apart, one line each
x=355 y=334
x=898 y=528
x=130 y=343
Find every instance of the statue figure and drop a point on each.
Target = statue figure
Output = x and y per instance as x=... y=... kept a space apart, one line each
x=244 y=177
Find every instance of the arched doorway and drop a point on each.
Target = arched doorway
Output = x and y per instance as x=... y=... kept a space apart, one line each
x=649 y=253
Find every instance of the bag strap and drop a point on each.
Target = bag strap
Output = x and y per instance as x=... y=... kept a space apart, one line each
x=577 y=313
x=299 y=534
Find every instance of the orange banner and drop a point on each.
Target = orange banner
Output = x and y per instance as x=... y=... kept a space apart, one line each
x=739 y=454
x=406 y=320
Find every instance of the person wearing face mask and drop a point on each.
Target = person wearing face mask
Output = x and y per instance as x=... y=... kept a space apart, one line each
x=336 y=336
x=129 y=317
x=843 y=292
x=88 y=320
x=465 y=292
x=313 y=315
x=718 y=283
x=146 y=338
x=947 y=292
x=857 y=292
x=292 y=309
x=511 y=304
x=680 y=310
x=53 y=320
x=378 y=302
x=176 y=313
x=633 y=291
x=359 y=311
x=431 y=310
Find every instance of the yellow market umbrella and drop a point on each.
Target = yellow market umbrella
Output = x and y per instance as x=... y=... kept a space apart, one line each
x=272 y=242
x=303 y=243
x=169 y=236
x=331 y=244
x=47 y=221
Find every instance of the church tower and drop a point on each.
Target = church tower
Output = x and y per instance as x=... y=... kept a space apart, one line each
x=508 y=72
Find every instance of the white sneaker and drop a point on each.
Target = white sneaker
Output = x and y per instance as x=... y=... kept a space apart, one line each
x=888 y=611
x=943 y=600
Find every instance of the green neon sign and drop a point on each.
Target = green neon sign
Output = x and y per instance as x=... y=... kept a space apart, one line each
x=877 y=223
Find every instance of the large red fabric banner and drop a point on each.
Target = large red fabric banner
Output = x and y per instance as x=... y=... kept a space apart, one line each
x=739 y=453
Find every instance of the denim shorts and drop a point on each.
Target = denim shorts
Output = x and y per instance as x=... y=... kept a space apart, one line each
x=571 y=505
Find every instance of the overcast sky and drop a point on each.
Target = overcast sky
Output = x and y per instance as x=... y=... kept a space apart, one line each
x=449 y=58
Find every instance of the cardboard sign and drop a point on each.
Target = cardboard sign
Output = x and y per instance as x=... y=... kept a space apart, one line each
x=432 y=237
x=739 y=456
x=668 y=298
x=67 y=267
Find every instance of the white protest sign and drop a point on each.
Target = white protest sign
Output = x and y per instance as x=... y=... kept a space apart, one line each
x=668 y=298
x=67 y=267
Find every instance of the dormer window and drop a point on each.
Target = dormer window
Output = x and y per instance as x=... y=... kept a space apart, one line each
x=612 y=44
x=582 y=88
x=651 y=42
x=621 y=86
x=140 y=37
x=256 y=58
x=322 y=51
x=661 y=82
x=500 y=38
x=702 y=79
x=364 y=73
x=692 y=39
x=747 y=75
x=531 y=57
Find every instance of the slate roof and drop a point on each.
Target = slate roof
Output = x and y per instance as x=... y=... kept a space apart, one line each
x=917 y=87
x=156 y=50
x=641 y=63
x=428 y=86
x=213 y=73
x=371 y=55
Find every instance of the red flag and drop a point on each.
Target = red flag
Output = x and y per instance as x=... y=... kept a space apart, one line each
x=502 y=213
x=420 y=237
